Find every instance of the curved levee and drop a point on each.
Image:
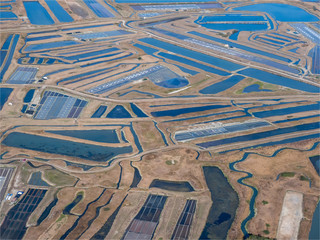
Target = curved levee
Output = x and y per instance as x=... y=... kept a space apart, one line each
x=255 y=191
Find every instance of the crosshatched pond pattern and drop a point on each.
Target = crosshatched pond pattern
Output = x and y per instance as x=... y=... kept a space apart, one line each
x=114 y=114
x=5 y=176
x=146 y=221
x=14 y=225
x=57 y=105
x=182 y=228
x=23 y=75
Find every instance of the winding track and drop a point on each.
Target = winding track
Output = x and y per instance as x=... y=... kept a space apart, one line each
x=114 y=162
x=164 y=99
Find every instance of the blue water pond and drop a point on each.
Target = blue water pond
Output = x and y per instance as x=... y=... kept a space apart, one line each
x=279 y=80
x=118 y=112
x=48 y=45
x=99 y=112
x=137 y=111
x=89 y=152
x=281 y=12
x=29 y=96
x=315 y=230
x=224 y=64
x=222 y=86
x=102 y=135
x=7 y=16
x=179 y=111
x=37 y=14
x=173 y=83
x=59 y=11
x=4 y=95
x=255 y=88
x=315 y=160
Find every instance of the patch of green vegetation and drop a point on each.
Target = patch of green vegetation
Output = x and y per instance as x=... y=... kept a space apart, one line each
x=262 y=85
x=299 y=167
x=25 y=173
x=234 y=31
x=139 y=58
x=58 y=178
x=199 y=82
x=303 y=178
x=266 y=231
x=239 y=91
x=168 y=162
x=80 y=193
x=62 y=216
x=287 y=174
x=106 y=209
x=224 y=34
x=258 y=237
x=264 y=202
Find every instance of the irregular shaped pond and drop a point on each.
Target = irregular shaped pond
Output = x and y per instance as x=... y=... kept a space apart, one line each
x=315 y=230
x=99 y=112
x=136 y=178
x=255 y=88
x=46 y=212
x=29 y=96
x=315 y=160
x=68 y=208
x=176 y=186
x=222 y=86
x=4 y=95
x=37 y=181
x=102 y=135
x=137 y=111
x=281 y=12
x=119 y=112
x=68 y=148
x=224 y=204
x=177 y=112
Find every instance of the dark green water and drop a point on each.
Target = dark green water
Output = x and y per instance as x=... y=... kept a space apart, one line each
x=315 y=160
x=315 y=229
x=136 y=178
x=102 y=135
x=68 y=208
x=172 y=185
x=224 y=207
x=64 y=147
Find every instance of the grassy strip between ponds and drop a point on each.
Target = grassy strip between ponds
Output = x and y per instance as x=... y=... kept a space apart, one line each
x=262 y=86
x=287 y=174
x=58 y=178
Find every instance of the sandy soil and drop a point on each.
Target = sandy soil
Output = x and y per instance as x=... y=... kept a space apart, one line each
x=159 y=166
x=150 y=138
x=174 y=162
x=272 y=191
x=291 y=215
